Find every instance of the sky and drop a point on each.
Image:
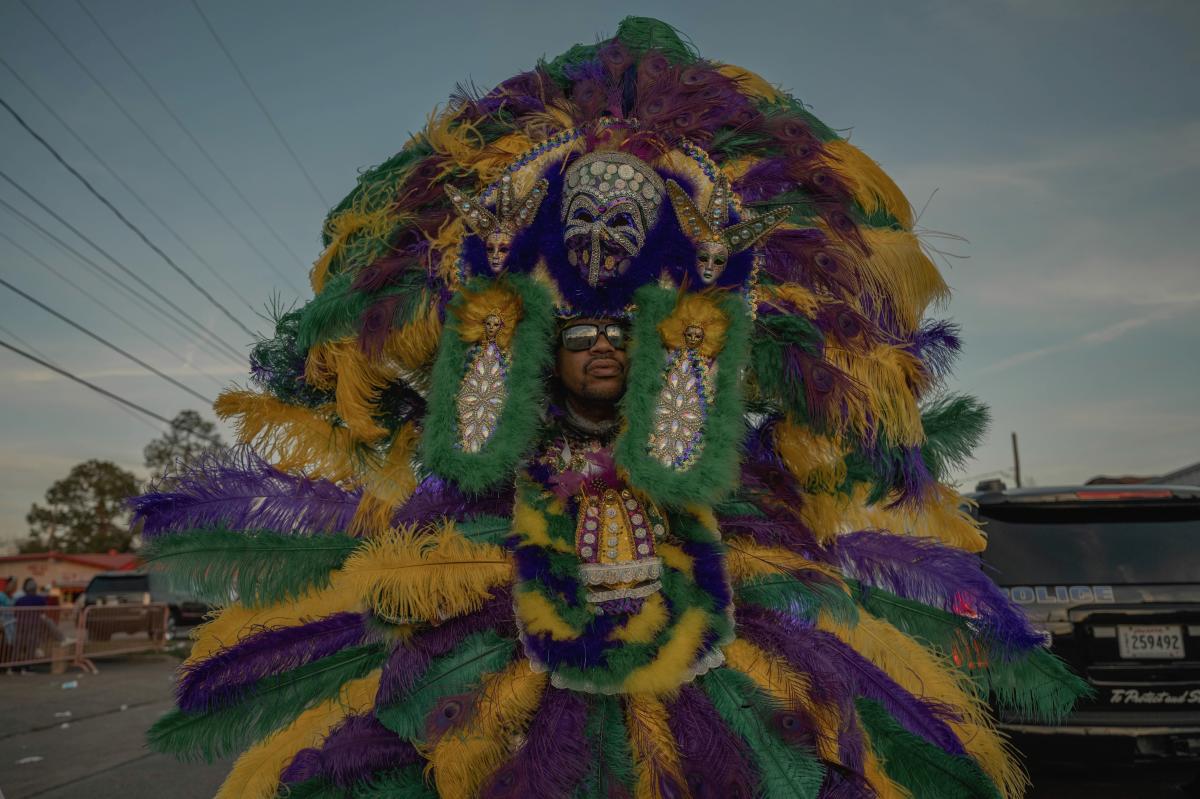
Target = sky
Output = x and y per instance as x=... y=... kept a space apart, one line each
x=1052 y=147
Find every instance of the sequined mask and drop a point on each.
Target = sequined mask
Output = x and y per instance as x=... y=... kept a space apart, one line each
x=612 y=201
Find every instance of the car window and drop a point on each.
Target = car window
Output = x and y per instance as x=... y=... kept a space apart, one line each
x=122 y=584
x=1041 y=545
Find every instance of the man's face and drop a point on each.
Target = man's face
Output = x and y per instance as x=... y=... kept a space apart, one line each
x=596 y=374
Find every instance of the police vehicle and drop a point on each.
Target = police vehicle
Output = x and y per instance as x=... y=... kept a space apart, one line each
x=1112 y=574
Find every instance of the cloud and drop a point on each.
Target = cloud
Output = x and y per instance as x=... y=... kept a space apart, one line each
x=1102 y=335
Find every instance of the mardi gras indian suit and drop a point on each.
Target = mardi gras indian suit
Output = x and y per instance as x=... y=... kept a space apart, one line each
x=754 y=584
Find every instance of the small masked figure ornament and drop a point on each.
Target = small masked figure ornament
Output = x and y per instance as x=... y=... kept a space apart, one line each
x=498 y=229
x=715 y=239
x=683 y=403
x=484 y=387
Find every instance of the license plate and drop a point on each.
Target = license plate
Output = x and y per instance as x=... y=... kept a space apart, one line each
x=1150 y=641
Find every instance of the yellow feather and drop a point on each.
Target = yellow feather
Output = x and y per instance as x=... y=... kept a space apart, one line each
x=463 y=759
x=414 y=345
x=773 y=675
x=352 y=221
x=674 y=658
x=235 y=622
x=296 y=439
x=901 y=271
x=387 y=484
x=746 y=560
x=538 y=615
x=531 y=526
x=816 y=461
x=885 y=787
x=256 y=773
x=654 y=752
x=477 y=306
x=890 y=379
x=923 y=673
x=357 y=384
x=645 y=624
x=794 y=294
x=454 y=138
x=407 y=575
x=871 y=186
x=750 y=83
x=700 y=310
x=675 y=558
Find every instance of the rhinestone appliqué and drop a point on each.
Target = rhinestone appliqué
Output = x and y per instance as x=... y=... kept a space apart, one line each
x=682 y=409
x=481 y=396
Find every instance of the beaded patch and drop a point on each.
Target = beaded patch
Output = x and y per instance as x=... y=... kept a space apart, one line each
x=483 y=391
x=682 y=408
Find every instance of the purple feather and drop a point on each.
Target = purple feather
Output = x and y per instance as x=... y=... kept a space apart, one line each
x=352 y=752
x=239 y=490
x=226 y=676
x=716 y=762
x=764 y=180
x=409 y=660
x=932 y=574
x=806 y=257
x=839 y=674
x=437 y=499
x=937 y=343
x=556 y=754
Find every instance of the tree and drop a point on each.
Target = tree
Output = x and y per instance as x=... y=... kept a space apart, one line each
x=189 y=437
x=86 y=511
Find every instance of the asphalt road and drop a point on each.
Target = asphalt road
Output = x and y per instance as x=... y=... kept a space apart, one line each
x=98 y=751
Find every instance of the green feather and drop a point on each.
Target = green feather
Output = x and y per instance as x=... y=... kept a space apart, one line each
x=921 y=767
x=1038 y=686
x=783 y=592
x=458 y=672
x=261 y=568
x=1035 y=685
x=335 y=312
x=612 y=764
x=640 y=34
x=485 y=529
x=378 y=184
x=954 y=426
x=311 y=789
x=715 y=471
x=279 y=360
x=787 y=772
x=519 y=424
x=270 y=704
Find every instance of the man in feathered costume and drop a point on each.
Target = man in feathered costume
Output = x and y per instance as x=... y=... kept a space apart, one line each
x=604 y=462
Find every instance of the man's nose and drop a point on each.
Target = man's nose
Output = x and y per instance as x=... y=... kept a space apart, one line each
x=602 y=345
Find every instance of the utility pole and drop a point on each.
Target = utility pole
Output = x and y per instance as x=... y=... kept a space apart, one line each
x=1016 y=460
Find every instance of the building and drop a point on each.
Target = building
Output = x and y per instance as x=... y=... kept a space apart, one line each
x=1187 y=476
x=69 y=573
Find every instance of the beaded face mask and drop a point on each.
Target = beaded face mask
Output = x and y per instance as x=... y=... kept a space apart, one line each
x=611 y=202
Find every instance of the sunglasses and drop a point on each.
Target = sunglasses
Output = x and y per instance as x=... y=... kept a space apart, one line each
x=580 y=337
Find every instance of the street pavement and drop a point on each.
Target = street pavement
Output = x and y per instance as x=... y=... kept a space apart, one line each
x=99 y=750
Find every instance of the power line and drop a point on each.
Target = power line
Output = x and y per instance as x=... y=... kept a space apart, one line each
x=140 y=298
x=136 y=328
x=158 y=148
x=103 y=391
x=145 y=205
x=36 y=351
x=124 y=219
x=104 y=341
x=279 y=133
x=203 y=150
x=58 y=218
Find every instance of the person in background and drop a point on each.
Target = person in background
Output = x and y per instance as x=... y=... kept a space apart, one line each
x=8 y=621
x=30 y=626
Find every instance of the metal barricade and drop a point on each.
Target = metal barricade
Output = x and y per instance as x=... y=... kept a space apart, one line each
x=106 y=630
x=34 y=634
x=63 y=635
